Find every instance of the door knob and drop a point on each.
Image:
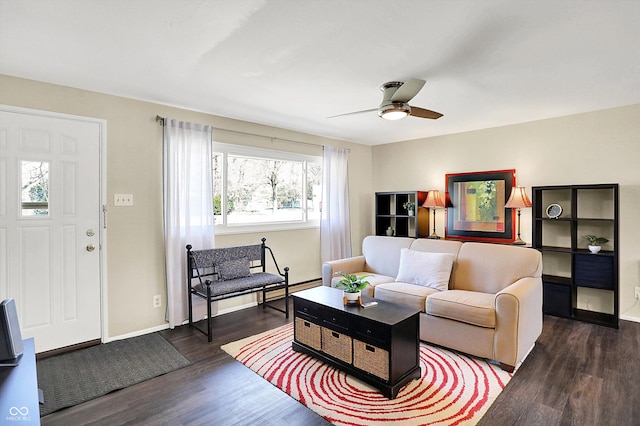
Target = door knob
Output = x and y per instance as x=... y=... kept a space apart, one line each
x=91 y=247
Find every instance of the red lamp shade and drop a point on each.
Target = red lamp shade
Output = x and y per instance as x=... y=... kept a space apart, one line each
x=433 y=200
x=518 y=198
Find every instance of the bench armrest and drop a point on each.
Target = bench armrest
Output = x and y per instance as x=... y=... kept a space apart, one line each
x=349 y=265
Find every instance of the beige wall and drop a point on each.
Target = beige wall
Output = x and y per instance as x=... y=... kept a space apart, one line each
x=597 y=147
x=601 y=147
x=135 y=253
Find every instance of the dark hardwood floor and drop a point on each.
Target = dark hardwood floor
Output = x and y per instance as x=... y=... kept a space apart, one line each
x=577 y=374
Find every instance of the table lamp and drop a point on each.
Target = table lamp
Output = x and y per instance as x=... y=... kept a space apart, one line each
x=433 y=202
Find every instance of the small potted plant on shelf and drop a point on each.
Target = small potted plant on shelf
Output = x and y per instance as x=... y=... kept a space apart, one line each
x=594 y=242
x=352 y=286
x=409 y=206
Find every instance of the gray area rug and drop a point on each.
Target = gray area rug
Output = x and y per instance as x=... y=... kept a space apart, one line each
x=85 y=374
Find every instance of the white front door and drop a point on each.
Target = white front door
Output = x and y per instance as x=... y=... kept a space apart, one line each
x=50 y=235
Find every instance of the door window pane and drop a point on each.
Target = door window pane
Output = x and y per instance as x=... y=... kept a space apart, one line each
x=35 y=188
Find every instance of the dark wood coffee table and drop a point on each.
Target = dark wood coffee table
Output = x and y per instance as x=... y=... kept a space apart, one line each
x=379 y=345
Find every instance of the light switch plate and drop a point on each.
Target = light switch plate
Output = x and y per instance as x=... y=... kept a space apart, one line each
x=123 y=199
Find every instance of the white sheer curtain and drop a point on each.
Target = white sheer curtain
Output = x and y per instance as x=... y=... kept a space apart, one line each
x=188 y=208
x=335 y=228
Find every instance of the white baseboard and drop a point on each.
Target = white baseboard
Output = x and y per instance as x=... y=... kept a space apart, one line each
x=166 y=325
x=136 y=333
x=632 y=314
x=628 y=317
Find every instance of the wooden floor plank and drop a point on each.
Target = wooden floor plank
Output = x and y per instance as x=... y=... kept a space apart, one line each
x=577 y=373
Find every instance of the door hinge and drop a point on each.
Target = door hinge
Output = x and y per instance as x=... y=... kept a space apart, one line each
x=104 y=216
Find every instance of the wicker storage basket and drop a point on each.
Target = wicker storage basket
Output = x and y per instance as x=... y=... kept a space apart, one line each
x=308 y=333
x=371 y=359
x=337 y=345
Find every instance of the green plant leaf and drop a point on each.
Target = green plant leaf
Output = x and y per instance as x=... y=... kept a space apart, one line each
x=351 y=283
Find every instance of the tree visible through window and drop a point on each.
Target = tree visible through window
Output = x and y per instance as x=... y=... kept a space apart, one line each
x=35 y=188
x=254 y=186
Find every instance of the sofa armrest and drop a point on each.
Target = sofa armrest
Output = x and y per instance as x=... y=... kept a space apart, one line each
x=518 y=320
x=349 y=266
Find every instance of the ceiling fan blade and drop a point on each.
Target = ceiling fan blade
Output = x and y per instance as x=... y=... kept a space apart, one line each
x=355 y=112
x=424 y=113
x=408 y=90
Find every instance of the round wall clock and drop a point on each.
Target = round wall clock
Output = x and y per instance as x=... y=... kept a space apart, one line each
x=554 y=211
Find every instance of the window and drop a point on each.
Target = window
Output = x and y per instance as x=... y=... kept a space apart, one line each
x=266 y=188
x=35 y=188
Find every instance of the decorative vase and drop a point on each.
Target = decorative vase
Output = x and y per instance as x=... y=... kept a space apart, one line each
x=390 y=232
x=594 y=249
x=351 y=297
x=410 y=212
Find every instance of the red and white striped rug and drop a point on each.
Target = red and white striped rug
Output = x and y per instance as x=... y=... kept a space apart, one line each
x=454 y=389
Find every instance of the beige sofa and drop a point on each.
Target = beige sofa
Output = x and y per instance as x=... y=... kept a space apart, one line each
x=491 y=302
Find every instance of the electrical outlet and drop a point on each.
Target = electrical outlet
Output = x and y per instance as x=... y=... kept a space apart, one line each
x=157 y=301
x=637 y=293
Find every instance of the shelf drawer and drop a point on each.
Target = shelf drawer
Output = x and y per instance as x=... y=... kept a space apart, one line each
x=592 y=270
x=371 y=359
x=556 y=299
x=337 y=345
x=336 y=319
x=371 y=332
x=306 y=309
x=308 y=333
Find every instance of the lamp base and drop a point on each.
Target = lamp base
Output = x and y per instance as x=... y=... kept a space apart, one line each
x=519 y=242
x=434 y=236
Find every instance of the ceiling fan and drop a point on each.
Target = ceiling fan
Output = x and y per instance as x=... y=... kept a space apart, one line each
x=395 y=101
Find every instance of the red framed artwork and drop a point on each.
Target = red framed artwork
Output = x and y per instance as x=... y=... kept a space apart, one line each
x=475 y=206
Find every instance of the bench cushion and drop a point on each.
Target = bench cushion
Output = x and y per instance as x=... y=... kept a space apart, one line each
x=209 y=257
x=253 y=281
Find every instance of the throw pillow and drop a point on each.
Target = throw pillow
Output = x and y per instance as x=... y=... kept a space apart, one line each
x=425 y=269
x=236 y=268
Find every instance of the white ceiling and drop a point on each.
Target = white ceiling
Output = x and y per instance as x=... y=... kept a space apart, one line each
x=292 y=63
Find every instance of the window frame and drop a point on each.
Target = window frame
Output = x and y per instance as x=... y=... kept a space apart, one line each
x=227 y=149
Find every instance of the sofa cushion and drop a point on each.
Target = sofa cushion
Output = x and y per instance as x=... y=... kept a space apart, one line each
x=424 y=268
x=411 y=295
x=472 y=307
x=490 y=268
x=436 y=246
x=382 y=254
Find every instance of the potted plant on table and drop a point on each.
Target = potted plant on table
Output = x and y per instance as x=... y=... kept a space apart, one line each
x=595 y=242
x=409 y=206
x=352 y=286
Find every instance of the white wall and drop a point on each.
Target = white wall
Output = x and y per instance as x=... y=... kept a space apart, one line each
x=597 y=147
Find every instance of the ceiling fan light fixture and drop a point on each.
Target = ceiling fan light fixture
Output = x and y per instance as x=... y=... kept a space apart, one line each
x=394 y=111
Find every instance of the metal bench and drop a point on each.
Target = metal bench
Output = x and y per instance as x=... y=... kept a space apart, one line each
x=221 y=273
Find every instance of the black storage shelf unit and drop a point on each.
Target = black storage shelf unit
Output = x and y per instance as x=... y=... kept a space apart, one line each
x=569 y=267
x=391 y=213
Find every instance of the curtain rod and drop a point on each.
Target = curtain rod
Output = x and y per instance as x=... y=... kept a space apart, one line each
x=161 y=120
